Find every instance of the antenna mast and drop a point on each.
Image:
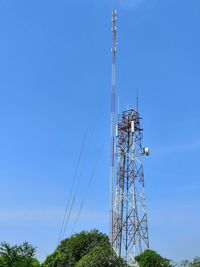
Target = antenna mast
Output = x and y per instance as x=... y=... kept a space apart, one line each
x=113 y=50
x=128 y=213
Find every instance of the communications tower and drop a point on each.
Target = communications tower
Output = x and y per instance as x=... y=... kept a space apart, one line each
x=128 y=215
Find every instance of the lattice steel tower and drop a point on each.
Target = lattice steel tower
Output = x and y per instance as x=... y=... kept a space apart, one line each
x=128 y=214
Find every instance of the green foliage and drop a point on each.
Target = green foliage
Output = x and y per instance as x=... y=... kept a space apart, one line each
x=194 y=263
x=185 y=263
x=150 y=258
x=18 y=256
x=101 y=256
x=84 y=250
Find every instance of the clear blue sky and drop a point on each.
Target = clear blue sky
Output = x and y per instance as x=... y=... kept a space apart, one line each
x=55 y=67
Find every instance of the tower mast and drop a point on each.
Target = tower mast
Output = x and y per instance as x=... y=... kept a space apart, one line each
x=113 y=50
x=128 y=214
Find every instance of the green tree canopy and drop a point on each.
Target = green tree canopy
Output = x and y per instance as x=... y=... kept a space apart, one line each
x=88 y=249
x=150 y=258
x=18 y=256
x=101 y=256
x=185 y=263
x=194 y=263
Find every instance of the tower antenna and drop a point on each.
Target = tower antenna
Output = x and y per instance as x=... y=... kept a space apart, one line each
x=128 y=214
x=113 y=50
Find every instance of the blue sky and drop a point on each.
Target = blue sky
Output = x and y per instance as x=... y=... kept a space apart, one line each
x=55 y=68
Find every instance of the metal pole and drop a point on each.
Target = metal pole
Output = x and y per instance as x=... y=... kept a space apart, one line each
x=114 y=48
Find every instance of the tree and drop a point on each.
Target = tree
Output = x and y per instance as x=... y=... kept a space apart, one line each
x=185 y=263
x=150 y=258
x=18 y=256
x=194 y=263
x=101 y=256
x=88 y=249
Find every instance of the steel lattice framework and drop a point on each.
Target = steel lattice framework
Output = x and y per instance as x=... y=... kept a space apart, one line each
x=130 y=228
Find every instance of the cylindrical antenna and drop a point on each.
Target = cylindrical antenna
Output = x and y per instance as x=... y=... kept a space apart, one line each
x=114 y=50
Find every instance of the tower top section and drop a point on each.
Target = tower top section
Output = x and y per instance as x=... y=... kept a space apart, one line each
x=114 y=31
